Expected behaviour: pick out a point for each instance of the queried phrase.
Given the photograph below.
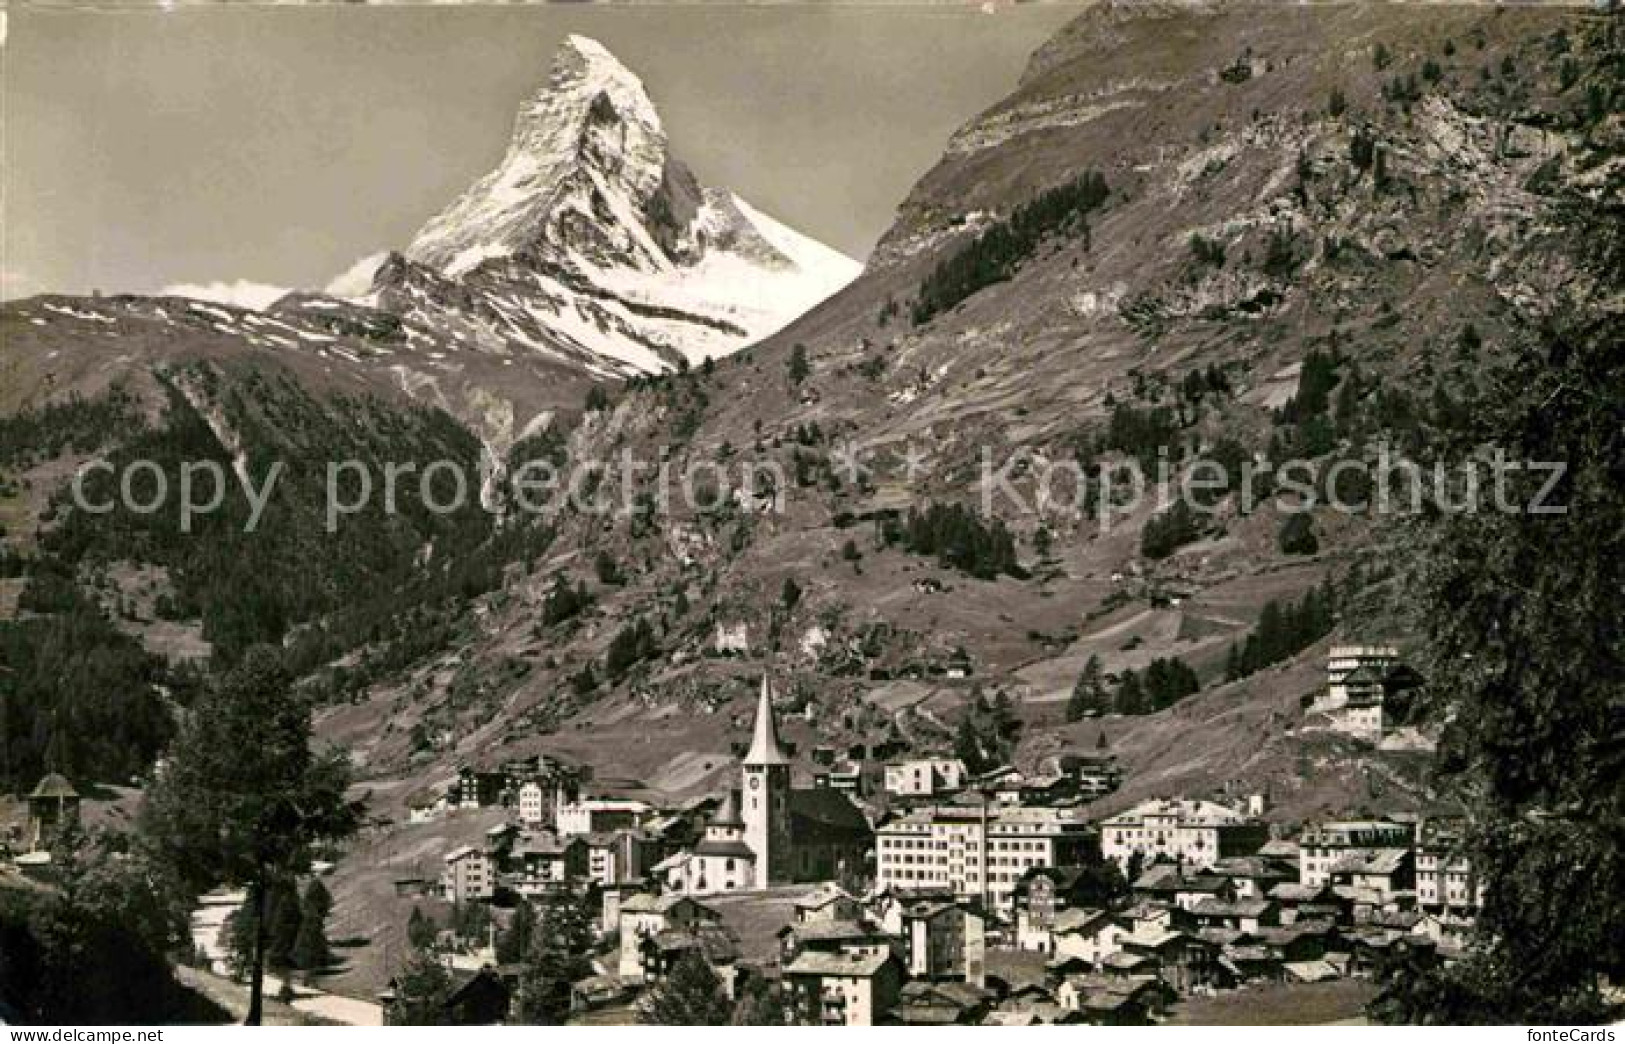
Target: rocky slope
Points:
(1367, 182)
(1353, 183)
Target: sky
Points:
(277, 146)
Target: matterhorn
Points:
(591, 243)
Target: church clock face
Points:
(755, 782)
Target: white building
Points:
(1194, 833)
(468, 875)
(925, 777)
(532, 804)
(1324, 847)
(1344, 660)
(977, 851)
(644, 915)
(601, 815)
(721, 862)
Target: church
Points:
(768, 832)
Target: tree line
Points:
(997, 251)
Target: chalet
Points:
(848, 937)
(837, 989)
(1105, 1000)
(1253, 962)
(425, 806)
(1088, 935)
(543, 863)
(600, 991)
(1243, 915)
(715, 944)
(1253, 876)
(644, 915)
(477, 789)
(1040, 894)
(1301, 941)
(480, 1000)
(1388, 875)
(945, 1003)
(945, 940)
(1183, 961)
(1303, 902)
(827, 902)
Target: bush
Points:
(1297, 535)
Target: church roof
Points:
(764, 744)
(728, 814)
(821, 814)
(54, 785)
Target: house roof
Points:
(820, 962)
(730, 848)
(1239, 908)
(728, 813)
(819, 813)
(959, 994)
(647, 902)
(715, 943)
(53, 785)
(765, 748)
(1292, 892)
(1079, 919)
(460, 852)
(831, 931)
(822, 896)
(1310, 971)
(1126, 961)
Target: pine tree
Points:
(420, 930)
(310, 949)
(558, 959)
(690, 995)
(1530, 675)
(968, 747)
(798, 368)
(515, 943)
(765, 1004)
(243, 798)
(283, 918)
(1130, 696)
(422, 989)
(1089, 696)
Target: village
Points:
(989, 899)
(972, 899)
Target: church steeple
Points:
(765, 776)
(764, 744)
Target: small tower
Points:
(53, 806)
(767, 797)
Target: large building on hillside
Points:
(977, 851)
(1194, 833)
(1325, 847)
(768, 832)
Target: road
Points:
(211, 914)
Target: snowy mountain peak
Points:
(590, 240)
(587, 151)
